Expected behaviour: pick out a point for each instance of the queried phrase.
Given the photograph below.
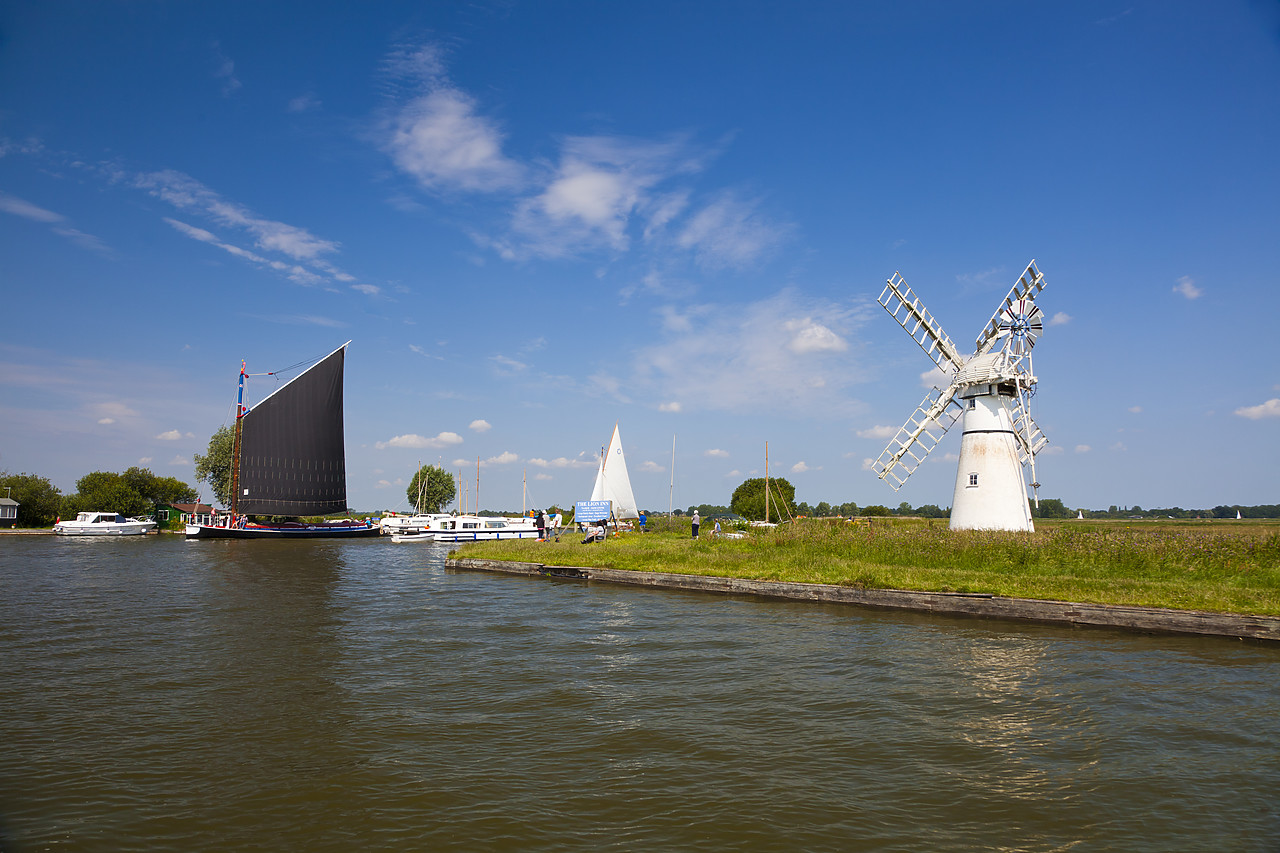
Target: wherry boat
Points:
(289, 459)
(104, 524)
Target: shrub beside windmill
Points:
(992, 390)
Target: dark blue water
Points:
(158, 694)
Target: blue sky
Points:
(535, 220)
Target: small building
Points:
(8, 512)
(177, 516)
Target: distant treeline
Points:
(1049, 508)
(134, 492)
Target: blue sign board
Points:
(592, 510)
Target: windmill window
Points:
(973, 479)
(973, 402)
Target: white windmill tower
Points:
(992, 389)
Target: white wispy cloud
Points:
(730, 232)
(1083, 448)
(745, 357)
(305, 251)
(599, 194)
(57, 222)
(225, 72)
(303, 103)
(980, 279)
(808, 336)
(716, 452)
(1187, 287)
(27, 210)
(1269, 409)
(801, 467)
(670, 406)
(413, 440)
(1135, 410)
(480, 425)
(563, 462)
(651, 467)
(170, 435)
(186, 193)
(600, 185)
(878, 432)
(1059, 319)
(435, 132)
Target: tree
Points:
(876, 509)
(1051, 508)
(822, 510)
(158, 490)
(39, 501)
(214, 468)
(104, 491)
(748, 499)
(437, 489)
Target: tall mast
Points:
(766, 482)
(235, 444)
(477, 485)
(672, 490)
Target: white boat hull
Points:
(103, 524)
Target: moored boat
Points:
(476, 528)
(289, 460)
(104, 524)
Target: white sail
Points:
(613, 483)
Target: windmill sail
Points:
(612, 481)
(292, 453)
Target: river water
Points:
(159, 694)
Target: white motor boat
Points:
(414, 537)
(475, 528)
(104, 524)
(402, 524)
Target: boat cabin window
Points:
(495, 524)
(468, 525)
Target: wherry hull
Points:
(294, 531)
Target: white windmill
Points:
(992, 389)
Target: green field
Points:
(1219, 565)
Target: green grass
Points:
(1222, 566)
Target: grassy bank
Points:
(1228, 567)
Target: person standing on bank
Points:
(542, 526)
(697, 519)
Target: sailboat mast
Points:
(477, 485)
(671, 492)
(766, 482)
(235, 444)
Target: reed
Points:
(1225, 567)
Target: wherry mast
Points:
(235, 444)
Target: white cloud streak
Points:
(1269, 409)
(413, 440)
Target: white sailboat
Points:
(613, 483)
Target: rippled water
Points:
(163, 694)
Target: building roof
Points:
(198, 509)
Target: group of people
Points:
(548, 525)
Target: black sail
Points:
(292, 449)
